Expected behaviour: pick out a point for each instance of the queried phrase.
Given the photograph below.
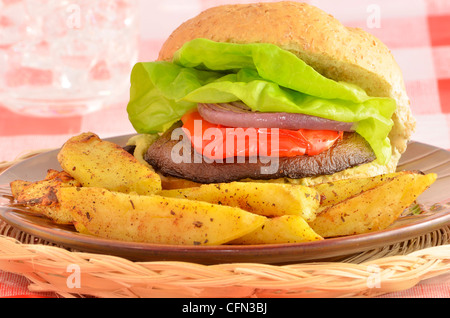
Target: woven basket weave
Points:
(50, 268)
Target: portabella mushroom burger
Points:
(270, 91)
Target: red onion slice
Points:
(239, 115)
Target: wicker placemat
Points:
(53, 268)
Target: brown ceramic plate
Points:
(419, 156)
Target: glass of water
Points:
(66, 57)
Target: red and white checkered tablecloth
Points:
(416, 31)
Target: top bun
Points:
(337, 52)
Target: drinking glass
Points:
(66, 57)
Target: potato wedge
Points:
(17, 186)
(80, 228)
(155, 219)
(279, 230)
(40, 196)
(98, 163)
(268, 199)
(374, 209)
(337, 191)
(53, 174)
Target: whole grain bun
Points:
(337, 52)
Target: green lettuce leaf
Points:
(271, 62)
(264, 77)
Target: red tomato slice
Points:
(220, 142)
(320, 140)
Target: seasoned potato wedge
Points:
(155, 219)
(40, 196)
(17, 186)
(374, 209)
(279, 230)
(268, 199)
(337, 191)
(80, 228)
(54, 174)
(98, 163)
